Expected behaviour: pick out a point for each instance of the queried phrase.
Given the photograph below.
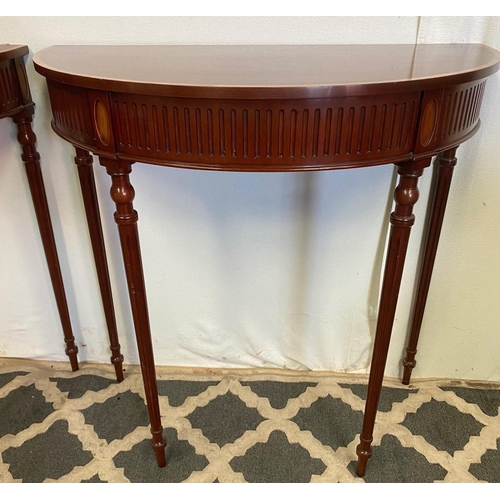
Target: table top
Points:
(265, 71)
(11, 51)
(272, 108)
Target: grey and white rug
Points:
(240, 426)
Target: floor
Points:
(240, 426)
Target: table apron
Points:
(266, 135)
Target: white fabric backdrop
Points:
(254, 270)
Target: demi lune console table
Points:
(270, 109)
(16, 102)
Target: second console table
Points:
(16, 102)
(268, 109)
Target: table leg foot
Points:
(118, 364)
(408, 364)
(159, 449)
(364, 452)
(73, 358)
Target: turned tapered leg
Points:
(443, 172)
(31, 159)
(83, 161)
(122, 194)
(405, 196)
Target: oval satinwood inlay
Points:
(101, 122)
(429, 122)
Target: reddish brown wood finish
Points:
(285, 108)
(269, 109)
(31, 159)
(405, 196)
(266, 71)
(443, 172)
(126, 217)
(267, 135)
(84, 162)
(16, 102)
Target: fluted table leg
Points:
(126, 217)
(83, 161)
(31, 159)
(405, 196)
(443, 173)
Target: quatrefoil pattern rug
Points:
(240, 426)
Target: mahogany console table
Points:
(16, 102)
(269, 109)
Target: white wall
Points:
(254, 270)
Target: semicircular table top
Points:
(261, 107)
(268, 70)
(8, 51)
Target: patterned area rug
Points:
(240, 426)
